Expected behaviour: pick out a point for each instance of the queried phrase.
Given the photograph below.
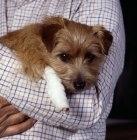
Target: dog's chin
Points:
(74, 91)
(69, 87)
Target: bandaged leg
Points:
(56, 90)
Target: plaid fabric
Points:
(86, 119)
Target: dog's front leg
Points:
(56, 90)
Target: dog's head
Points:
(76, 51)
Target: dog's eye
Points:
(65, 57)
(89, 57)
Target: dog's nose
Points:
(79, 85)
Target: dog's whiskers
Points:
(66, 79)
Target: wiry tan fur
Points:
(75, 51)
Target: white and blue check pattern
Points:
(87, 118)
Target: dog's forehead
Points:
(74, 47)
(74, 39)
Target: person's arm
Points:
(11, 120)
(32, 99)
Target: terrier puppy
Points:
(75, 51)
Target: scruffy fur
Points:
(74, 50)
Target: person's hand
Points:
(12, 121)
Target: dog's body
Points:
(75, 51)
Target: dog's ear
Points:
(11, 39)
(50, 27)
(104, 37)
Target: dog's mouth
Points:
(72, 91)
(75, 87)
(77, 91)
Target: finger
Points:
(13, 120)
(3, 102)
(7, 111)
(18, 128)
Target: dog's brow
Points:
(92, 45)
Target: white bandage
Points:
(56, 90)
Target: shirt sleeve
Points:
(31, 97)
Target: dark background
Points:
(125, 97)
(122, 121)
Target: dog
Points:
(75, 51)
